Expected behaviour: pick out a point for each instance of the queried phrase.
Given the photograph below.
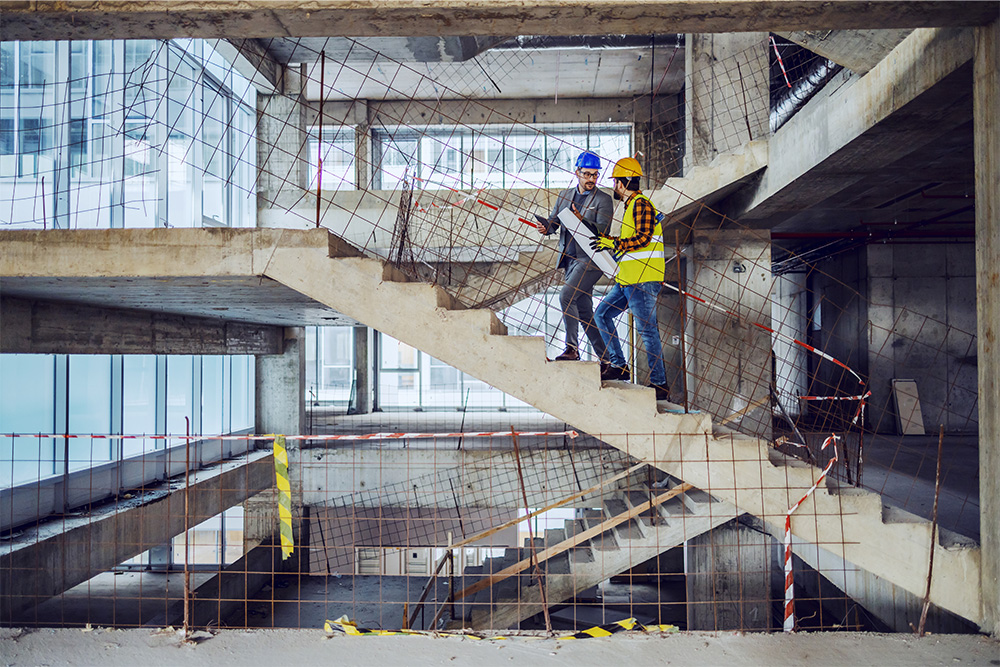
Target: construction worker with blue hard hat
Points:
(641, 267)
(594, 207)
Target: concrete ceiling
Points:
(909, 177)
(508, 73)
(251, 299)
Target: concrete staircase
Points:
(575, 568)
(742, 470)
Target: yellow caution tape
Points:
(350, 628)
(284, 496)
(618, 626)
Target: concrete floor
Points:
(121, 599)
(902, 470)
(128, 648)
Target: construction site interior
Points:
(278, 323)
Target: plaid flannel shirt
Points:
(644, 216)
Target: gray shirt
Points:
(595, 206)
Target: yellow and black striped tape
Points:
(618, 626)
(284, 496)
(348, 627)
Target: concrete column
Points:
(986, 109)
(282, 161)
(728, 358)
(727, 101)
(280, 408)
(280, 387)
(661, 142)
(729, 579)
(362, 372)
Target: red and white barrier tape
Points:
(350, 436)
(789, 625)
(780, 62)
(768, 329)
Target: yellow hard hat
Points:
(627, 167)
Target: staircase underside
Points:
(573, 570)
(742, 470)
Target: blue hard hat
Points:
(588, 160)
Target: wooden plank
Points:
(566, 545)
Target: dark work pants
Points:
(577, 303)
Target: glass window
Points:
(180, 395)
(409, 378)
(7, 64)
(26, 407)
(215, 157)
(337, 157)
(89, 409)
(337, 363)
(242, 392)
(138, 402)
(492, 156)
(38, 64)
(181, 189)
(211, 395)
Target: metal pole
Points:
(934, 525)
(187, 525)
(319, 149)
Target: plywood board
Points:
(908, 414)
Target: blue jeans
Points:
(641, 300)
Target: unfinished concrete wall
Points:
(916, 320)
(729, 579)
(922, 322)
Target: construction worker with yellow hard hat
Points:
(641, 264)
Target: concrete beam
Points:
(986, 107)
(56, 556)
(250, 58)
(846, 126)
(857, 50)
(46, 327)
(107, 19)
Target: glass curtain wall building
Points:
(137, 133)
(120, 134)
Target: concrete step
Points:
(557, 564)
(606, 541)
(582, 553)
(626, 530)
(649, 518)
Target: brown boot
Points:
(569, 354)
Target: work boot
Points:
(569, 354)
(617, 373)
(662, 392)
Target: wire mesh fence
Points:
(423, 168)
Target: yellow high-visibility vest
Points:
(645, 264)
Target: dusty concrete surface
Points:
(110, 648)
